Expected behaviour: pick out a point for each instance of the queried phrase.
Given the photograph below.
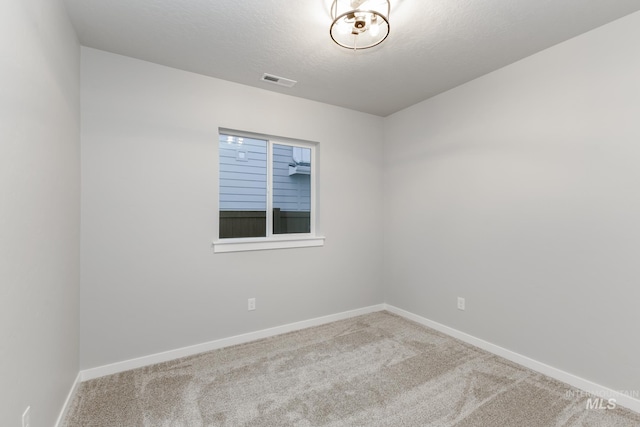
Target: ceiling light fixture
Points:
(359, 24)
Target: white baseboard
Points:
(592, 388)
(68, 400)
(573, 380)
(166, 356)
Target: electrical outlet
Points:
(251, 304)
(460, 303)
(26, 417)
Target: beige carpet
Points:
(373, 370)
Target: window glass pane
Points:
(291, 189)
(243, 187)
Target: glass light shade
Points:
(359, 24)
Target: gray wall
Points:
(150, 281)
(520, 191)
(39, 209)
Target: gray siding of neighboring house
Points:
(290, 192)
(243, 182)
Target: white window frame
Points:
(273, 241)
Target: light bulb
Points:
(344, 27)
(375, 29)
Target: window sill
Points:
(264, 243)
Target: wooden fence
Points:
(254, 223)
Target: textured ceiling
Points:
(434, 45)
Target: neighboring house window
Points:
(267, 193)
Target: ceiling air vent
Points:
(281, 81)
